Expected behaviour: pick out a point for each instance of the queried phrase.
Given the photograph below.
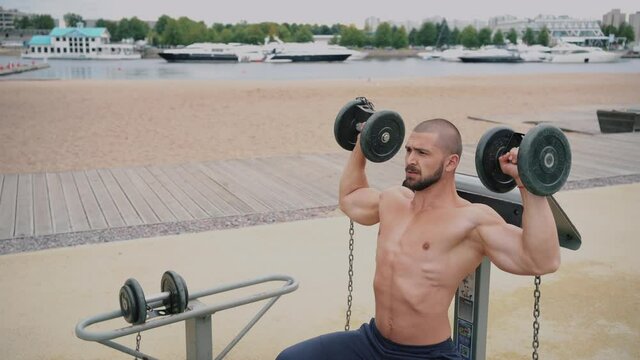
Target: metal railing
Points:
(197, 315)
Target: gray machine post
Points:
(199, 335)
(472, 298)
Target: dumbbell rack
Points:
(199, 340)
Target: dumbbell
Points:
(380, 139)
(133, 304)
(544, 159)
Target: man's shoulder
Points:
(397, 192)
(484, 214)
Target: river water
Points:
(158, 69)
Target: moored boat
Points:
(272, 52)
(533, 53)
(201, 52)
(570, 53)
(453, 54)
(306, 52)
(491, 56)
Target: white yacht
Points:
(533, 53)
(204, 52)
(570, 53)
(491, 55)
(271, 52)
(79, 43)
(453, 54)
(307, 52)
(429, 54)
(250, 53)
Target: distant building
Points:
(614, 17)
(407, 25)
(78, 43)
(461, 24)
(504, 19)
(371, 23)
(8, 17)
(561, 28)
(634, 21)
(411, 25)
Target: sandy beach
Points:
(73, 125)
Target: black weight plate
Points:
(127, 304)
(132, 302)
(344, 129)
(184, 299)
(383, 135)
(177, 287)
(491, 145)
(544, 160)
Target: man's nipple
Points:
(425, 246)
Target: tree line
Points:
(184, 31)
(437, 35)
(169, 31)
(625, 30)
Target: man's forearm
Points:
(540, 236)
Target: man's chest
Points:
(425, 230)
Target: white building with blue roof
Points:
(78, 43)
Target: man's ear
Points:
(452, 162)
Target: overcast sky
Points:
(319, 11)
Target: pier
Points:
(16, 68)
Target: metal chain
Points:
(536, 315)
(138, 338)
(350, 285)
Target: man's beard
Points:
(424, 183)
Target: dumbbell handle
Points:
(155, 300)
(514, 141)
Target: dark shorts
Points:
(365, 343)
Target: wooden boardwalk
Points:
(33, 205)
(579, 119)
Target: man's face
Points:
(424, 163)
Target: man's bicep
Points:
(503, 245)
(362, 206)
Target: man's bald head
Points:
(449, 138)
